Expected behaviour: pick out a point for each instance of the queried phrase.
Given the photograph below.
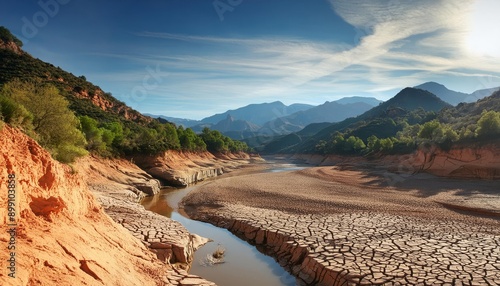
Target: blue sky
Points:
(195, 58)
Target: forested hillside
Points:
(412, 118)
(71, 116)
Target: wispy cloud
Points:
(401, 43)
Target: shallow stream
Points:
(243, 263)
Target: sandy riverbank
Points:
(333, 225)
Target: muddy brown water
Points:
(243, 263)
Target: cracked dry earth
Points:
(168, 239)
(350, 231)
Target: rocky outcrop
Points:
(183, 178)
(11, 46)
(107, 103)
(184, 168)
(118, 178)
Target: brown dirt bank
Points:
(184, 168)
(63, 235)
(333, 225)
(461, 162)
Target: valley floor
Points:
(345, 225)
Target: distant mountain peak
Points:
(450, 96)
(409, 98)
(415, 92)
(431, 84)
(257, 113)
(359, 99)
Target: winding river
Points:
(243, 263)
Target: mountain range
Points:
(254, 120)
(377, 120)
(276, 118)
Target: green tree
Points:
(489, 124)
(337, 143)
(189, 140)
(218, 143)
(93, 134)
(467, 132)
(15, 114)
(118, 134)
(53, 122)
(353, 145)
(429, 130)
(373, 143)
(386, 144)
(321, 146)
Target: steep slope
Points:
(466, 114)
(84, 97)
(462, 161)
(63, 235)
(258, 113)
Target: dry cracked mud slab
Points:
(171, 241)
(365, 248)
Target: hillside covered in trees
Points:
(410, 119)
(71, 117)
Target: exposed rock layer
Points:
(118, 178)
(465, 163)
(458, 162)
(65, 238)
(184, 168)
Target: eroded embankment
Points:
(118, 185)
(461, 162)
(184, 168)
(481, 162)
(347, 233)
(62, 235)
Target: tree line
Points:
(42, 112)
(417, 129)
